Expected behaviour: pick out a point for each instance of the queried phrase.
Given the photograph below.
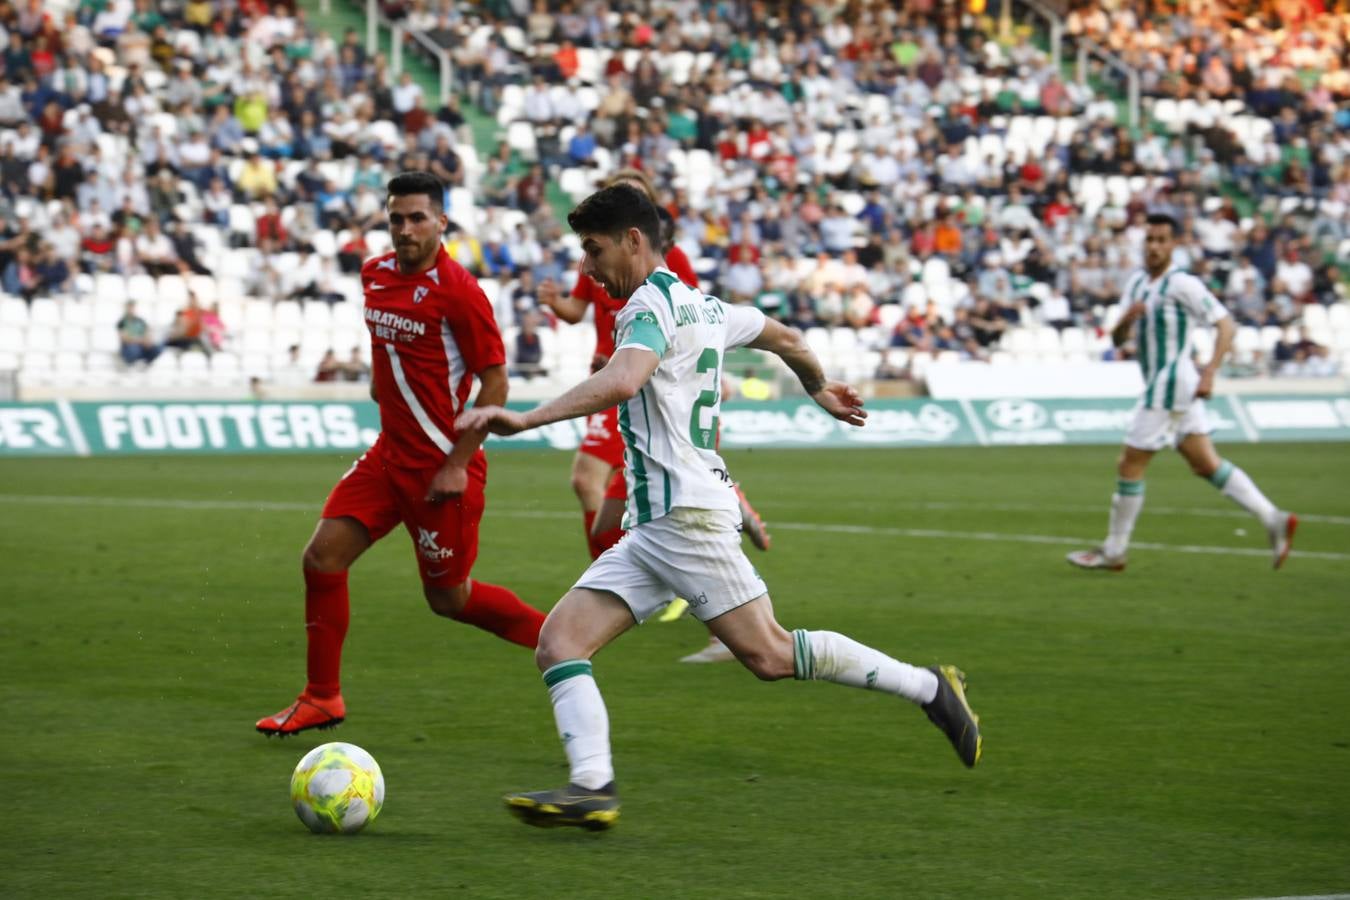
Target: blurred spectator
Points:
(154, 251)
(188, 331)
(330, 368)
(528, 353)
(133, 333)
(355, 368)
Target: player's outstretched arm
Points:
(625, 374)
(836, 398)
(452, 478)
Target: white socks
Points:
(1238, 486)
(1126, 503)
(829, 656)
(583, 723)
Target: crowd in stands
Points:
(890, 171)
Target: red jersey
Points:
(430, 334)
(607, 307)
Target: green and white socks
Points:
(583, 722)
(1236, 485)
(829, 656)
(1126, 503)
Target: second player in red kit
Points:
(432, 334)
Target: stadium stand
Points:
(902, 184)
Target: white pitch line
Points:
(1004, 537)
(1201, 512)
(923, 533)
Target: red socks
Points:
(498, 610)
(326, 615)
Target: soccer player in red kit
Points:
(432, 332)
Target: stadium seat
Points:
(1315, 316)
(520, 135)
(1046, 341)
(1247, 342)
(13, 313)
(1338, 316)
(889, 315)
(104, 339)
(379, 242)
(576, 182)
(1073, 340)
(40, 338)
(44, 312)
(68, 361)
(172, 289)
(79, 313)
(257, 316)
(317, 316)
(111, 288)
(73, 338)
(287, 314)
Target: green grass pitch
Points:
(1180, 730)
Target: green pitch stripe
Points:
(568, 668)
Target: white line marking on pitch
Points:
(994, 536)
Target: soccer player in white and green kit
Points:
(1170, 304)
(683, 515)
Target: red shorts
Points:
(603, 440)
(445, 534)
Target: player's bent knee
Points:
(765, 665)
(550, 652)
(446, 602)
(317, 558)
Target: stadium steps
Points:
(344, 14)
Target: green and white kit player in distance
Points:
(683, 514)
(1169, 305)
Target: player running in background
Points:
(1169, 304)
(685, 536)
(432, 332)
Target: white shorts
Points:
(691, 553)
(1158, 429)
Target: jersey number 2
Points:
(706, 438)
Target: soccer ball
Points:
(337, 787)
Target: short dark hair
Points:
(1159, 218)
(408, 183)
(614, 210)
(667, 227)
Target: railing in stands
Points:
(374, 19)
(1088, 48)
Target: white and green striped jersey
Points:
(1175, 304)
(670, 428)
